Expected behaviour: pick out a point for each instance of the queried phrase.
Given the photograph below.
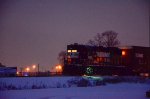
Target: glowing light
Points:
(69, 60)
(69, 51)
(89, 71)
(34, 66)
(58, 68)
(27, 69)
(123, 53)
(92, 77)
(17, 73)
(74, 51)
(144, 74)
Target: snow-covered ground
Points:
(59, 88)
(110, 91)
(29, 82)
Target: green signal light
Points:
(89, 71)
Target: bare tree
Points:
(97, 41)
(110, 39)
(106, 39)
(61, 57)
(91, 42)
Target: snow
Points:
(28, 82)
(123, 90)
(111, 91)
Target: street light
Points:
(27, 69)
(34, 70)
(34, 66)
(58, 68)
(17, 73)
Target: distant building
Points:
(7, 71)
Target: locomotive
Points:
(98, 60)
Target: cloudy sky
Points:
(35, 31)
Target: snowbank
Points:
(111, 91)
(20, 83)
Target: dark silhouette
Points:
(1, 65)
(61, 57)
(106, 39)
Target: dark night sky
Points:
(35, 31)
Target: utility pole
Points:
(38, 66)
(149, 27)
(21, 71)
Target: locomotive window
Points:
(74, 51)
(123, 53)
(69, 51)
